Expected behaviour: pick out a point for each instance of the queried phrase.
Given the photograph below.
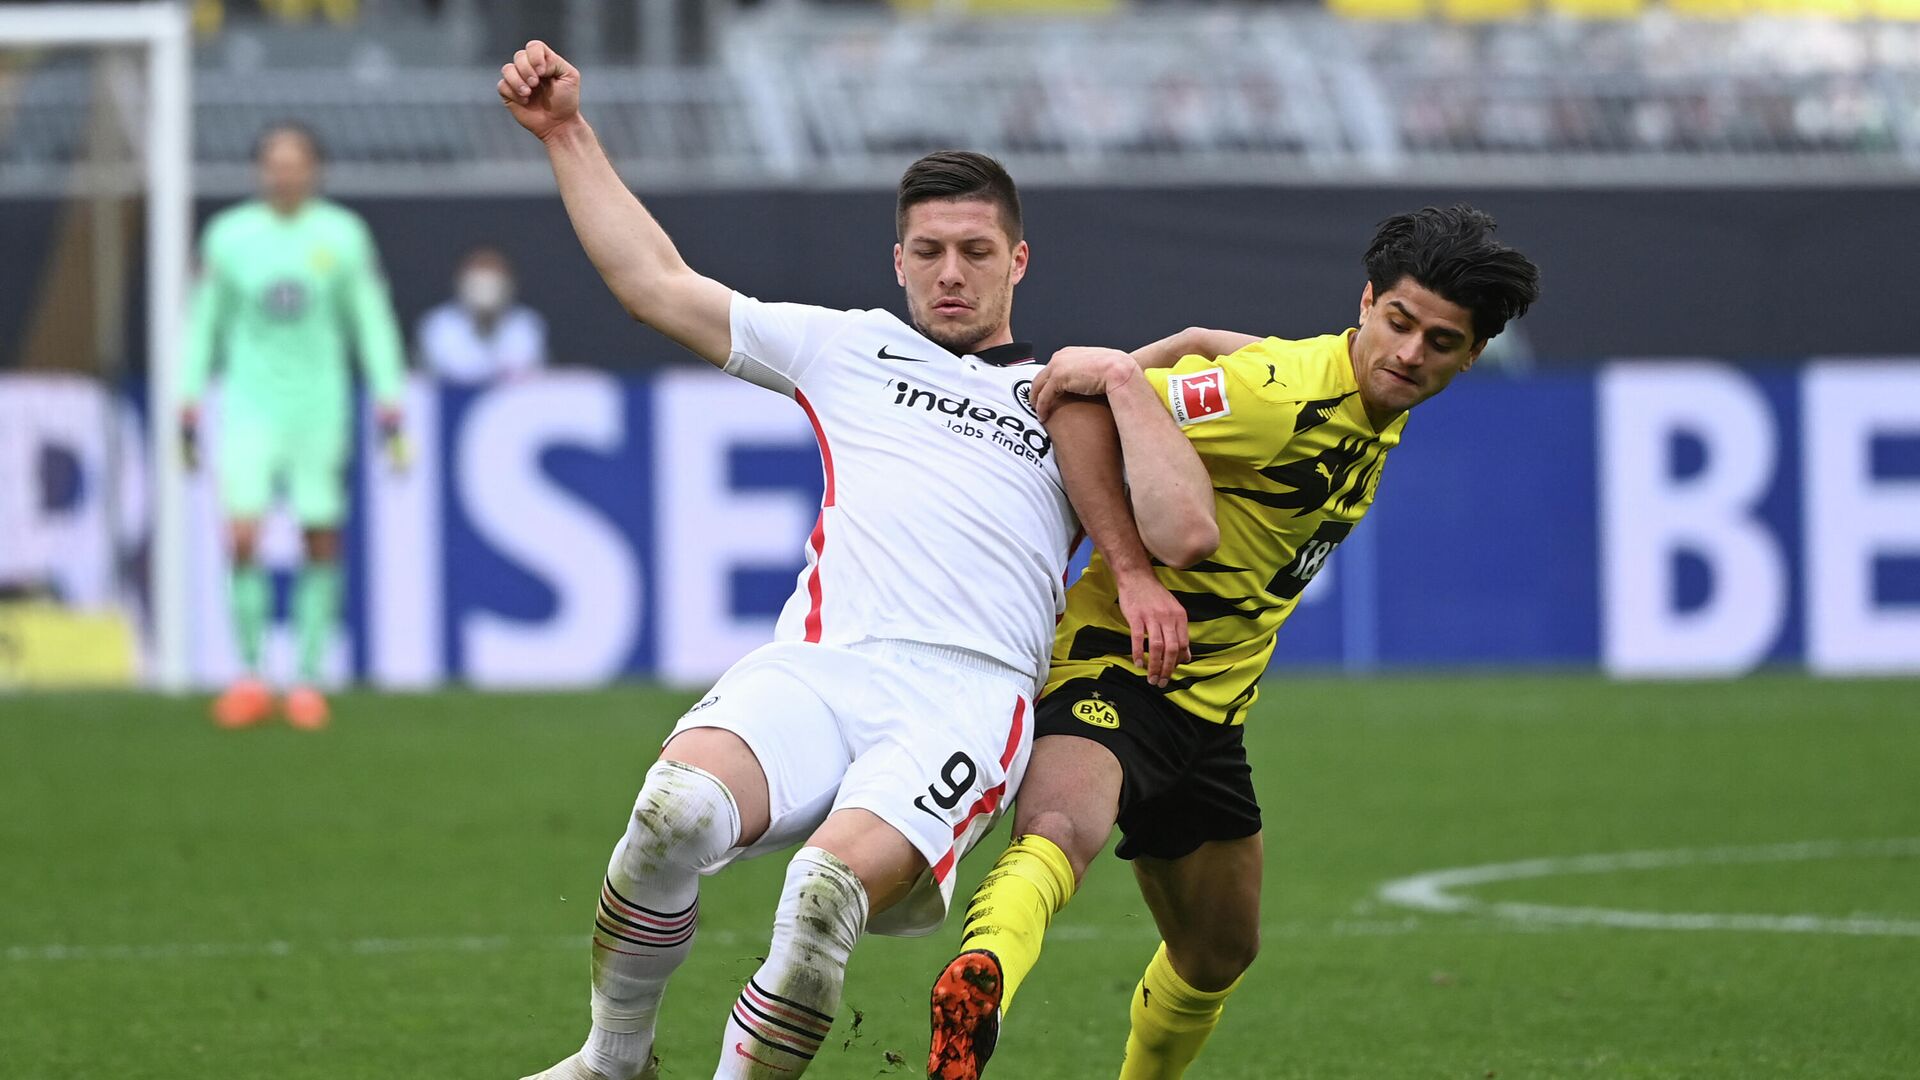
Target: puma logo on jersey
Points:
(1273, 378)
(1349, 467)
(1314, 413)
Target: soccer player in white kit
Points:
(890, 721)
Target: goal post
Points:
(161, 32)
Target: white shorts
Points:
(931, 740)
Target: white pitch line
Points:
(275, 949)
(1435, 890)
(1430, 892)
(1141, 930)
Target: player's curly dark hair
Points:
(1453, 253)
(959, 174)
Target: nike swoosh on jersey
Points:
(885, 355)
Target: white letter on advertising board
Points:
(1648, 516)
(1854, 519)
(554, 535)
(706, 527)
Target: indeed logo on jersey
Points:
(1009, 431)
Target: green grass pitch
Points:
(408, 894)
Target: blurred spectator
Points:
(1510, 353)
(481, 335)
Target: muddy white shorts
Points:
(929, 739)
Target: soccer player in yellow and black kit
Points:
(1294, 435)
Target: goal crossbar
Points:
(91, 24)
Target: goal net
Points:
(95, 162)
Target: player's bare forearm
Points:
(622, 239)
(1194, 340)
(1090, 466)
(1172, 495)
(632, 252)
(1088, 446)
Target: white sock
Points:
(682, 821)
(786, 1010)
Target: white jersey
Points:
(944, 520)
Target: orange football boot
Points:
(306, 709)
(966, 1016)
(244, 704)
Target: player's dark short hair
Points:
(290, 127)
(1452, 252)
(959, 174)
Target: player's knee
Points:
(1243, 952)
(1218, 963)
(1072, 838)
(242, 545)
(683, 820)
(1214, 965)
(1210, 963)
(321, 545)
(823, 901)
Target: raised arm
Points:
(1194, 340)
(633, 254)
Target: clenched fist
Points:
(540, 89)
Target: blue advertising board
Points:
(1652, 518)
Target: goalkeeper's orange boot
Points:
(244, 704)
(966, 1016)
(306, 709)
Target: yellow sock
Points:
(1010, 910)
(1171, 1022)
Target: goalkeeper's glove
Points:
(190, 438)
(393, 441)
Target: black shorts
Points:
(1185, 782)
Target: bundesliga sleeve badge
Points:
(1198, 395)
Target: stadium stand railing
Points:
(1272, 95)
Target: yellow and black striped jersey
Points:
(1295, 464)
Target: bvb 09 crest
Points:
(1096, 712)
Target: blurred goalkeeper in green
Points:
(285, 281)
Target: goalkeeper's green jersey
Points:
(279, 297)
